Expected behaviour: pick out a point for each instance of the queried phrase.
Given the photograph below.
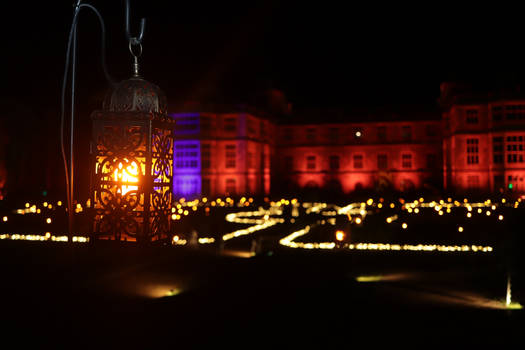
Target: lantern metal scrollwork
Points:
(132, 172)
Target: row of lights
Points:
(289, 241)
(47, 237)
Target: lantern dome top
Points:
(136, 95)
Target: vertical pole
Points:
(71, 155)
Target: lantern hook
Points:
(132, 39)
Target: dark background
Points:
(320, 55)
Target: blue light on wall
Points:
(187, 180)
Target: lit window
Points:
(186, 154)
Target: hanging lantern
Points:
(132, 152)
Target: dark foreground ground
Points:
(54, 296)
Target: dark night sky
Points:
(321, 55)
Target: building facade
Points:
(222, 154)
(475, 145)
(345, 157)
(483, 141)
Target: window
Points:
(205, 124)
(472, 151)
(472, 116)
(186, 125)
(514, 149)
(310, 162)
(406, 161)
(310, 134)
(334, 162)
(230, 187)
(515, 112)
(382, 161)
(497, 149)
(206, 156)
(406, 133)
(431, 161)
(497, 113)
(381, 133)
(231, 156)
(186, 155)
(230, 124)
(358, 161)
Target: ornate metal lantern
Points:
(132, 170)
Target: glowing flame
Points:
(127, 176)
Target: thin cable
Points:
(71, 50)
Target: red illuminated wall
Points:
(484, 145)
(372, 155)
(235, 151)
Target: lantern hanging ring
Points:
(135, 53)
(132, 39)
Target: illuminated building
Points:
(222, 153)
(484, 137)
(373, 155)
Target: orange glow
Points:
(339, 235)
(127, 176)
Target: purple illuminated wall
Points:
(187, 179)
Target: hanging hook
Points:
(132, 39)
